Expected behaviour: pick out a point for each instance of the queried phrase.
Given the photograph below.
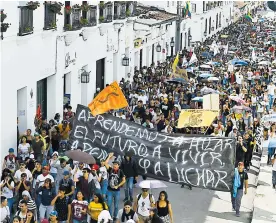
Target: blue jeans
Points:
(76, 221)
(129, 188)
(104, 184)
(116, 196)
(271, 99)
(10, 203)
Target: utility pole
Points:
(178, 30)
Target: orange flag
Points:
(109, 98)
(38, 112)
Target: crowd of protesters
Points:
(40, 184)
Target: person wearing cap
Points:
(116, 180)
(240, 186)
(62, 206)
(126, 214)
(10, 161)
(96, 178)
(31, 205)
(40, 180)
(53, 217)
(38, 147)
(68, 184)
(234, 133)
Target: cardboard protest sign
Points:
(206, 162)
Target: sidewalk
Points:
(264, 202)
(220, 209)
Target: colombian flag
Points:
(248, 17)
(188, 9)
(108, 99)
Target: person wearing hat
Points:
(38, 147)
(126, 214)
(10, 161)
(116, 180)
(68, 184)
(53, 217)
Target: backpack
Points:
(150, 197)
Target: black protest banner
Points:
(206, 162)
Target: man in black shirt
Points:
(116, 180)
(38, 147)
(240, 151)
(165, 108)
(236, 201)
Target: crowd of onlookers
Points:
(40, 184)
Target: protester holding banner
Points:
(159, 115)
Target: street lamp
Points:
(172, 43)
(125, 61)
(85, 77)
(205, 33)
(158, 48)
(190, 37)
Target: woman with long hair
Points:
(79, 208)
(164, 208)
(7, 187)
(17, 219)
(95, 207)
(24, 148)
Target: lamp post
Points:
(205, 33)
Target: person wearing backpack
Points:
(142, 204)
(116, 180)
(129, 168)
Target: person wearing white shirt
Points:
(144, 98)
(239, 78)
(4, 210)
(22, 169)
(142, 203)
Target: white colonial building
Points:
(51, 58)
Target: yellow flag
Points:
(196, 118)
(109, 98)
(176, 60)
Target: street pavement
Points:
(264, 203)
(204, 206)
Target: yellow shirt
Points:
(95, 209)
(64, 132)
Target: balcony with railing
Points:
(106, 12)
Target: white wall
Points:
(40, 55)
